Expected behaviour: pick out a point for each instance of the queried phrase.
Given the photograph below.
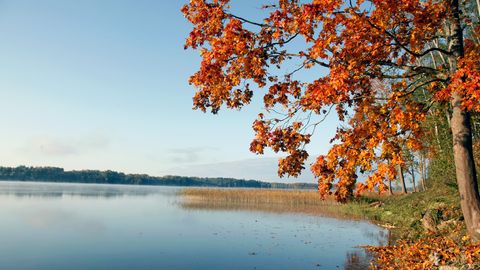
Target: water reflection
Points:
(354, 260)
(58, 190)
(68, 226)
(326, 211)
(357, 261)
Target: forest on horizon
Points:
(55, 174)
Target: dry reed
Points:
(268, 200)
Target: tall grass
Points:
(278, 201)
(256, 196)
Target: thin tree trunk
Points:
(390, 190)
(413, 180)
(462, 139)
(422, 179)
(423, 169)
(422, 166)
(435, 42)
(475, 127)
(434, 62)
(401, 179)
(437, 136)
(447, 115)
(423, 184)
(478, 7)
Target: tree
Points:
(401, 179)
(371, 57)
(412, 166)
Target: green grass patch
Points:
(404, 213)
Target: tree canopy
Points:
(387, 62)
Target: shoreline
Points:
(276, 201)
(424, 223)
(402, 215)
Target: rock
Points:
(446, 225)
(429, 221)
(376, 204)
(446, 267)
(387, 226)
(434, 258)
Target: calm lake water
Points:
(70, 226)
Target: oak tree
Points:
(372, 57)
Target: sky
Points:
(104, 85)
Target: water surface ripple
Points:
(82, 226)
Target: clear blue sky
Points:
(103, 85)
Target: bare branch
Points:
(246, 20)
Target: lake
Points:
(83, 226)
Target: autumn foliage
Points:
(380, 66)
(427, 253)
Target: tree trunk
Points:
(437, 136)
(413, 180)
(390, 190)
(401, 179)
(422, 181)
(423, 184)
(478, 7)
(447, 115)
(422, 166)
(465, 168)
(462, 139)
(423, 173)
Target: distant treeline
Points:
(54, 174)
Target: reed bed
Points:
(256, 196)
(267, 200)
